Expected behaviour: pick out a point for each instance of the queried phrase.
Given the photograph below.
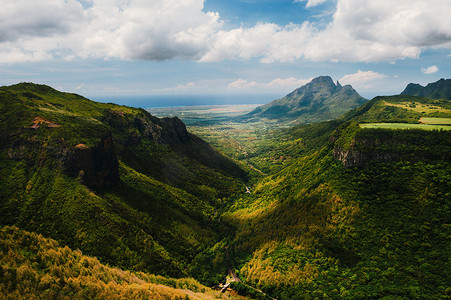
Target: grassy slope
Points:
(34, 267)
(318, 229)
(159, 218)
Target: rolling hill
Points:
(319, 100)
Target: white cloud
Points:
(283, 84)
(80, 87)
(312, 3)
(361, 31)
(361, 78)
(24, 18)
(154, 30)
(268, 41)
(382, 30)
(287, 82)
(242, 84)
(185, 86)
(429, 70)
(180, 87)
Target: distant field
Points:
(419, 107)
(436, 121)
(203, 113)
(203, 110)
(405, 126)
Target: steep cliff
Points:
(367, 146)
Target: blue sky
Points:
(118, 48)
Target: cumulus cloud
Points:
(180, 29)
(312, 3)
(361, 78)
(21, 19)
(361, 31)
(429, 70)
(154, 30)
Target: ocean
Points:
(154, 101)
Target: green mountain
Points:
(359, 209)
(136, 191)
(318, 100)
(437, 90)
(357, 213)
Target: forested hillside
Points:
(357, 212)
(135, 191)
(354, 207)
(33, 267)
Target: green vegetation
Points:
(440, 89)
(405, 126)
(319, 100)
(34, 267)
(137, 192)
(317, 228)
(329, 210)
(320, 229)
(436, 121)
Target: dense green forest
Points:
(33, 267)
(355, 213)
(337, 210)
(138, 192)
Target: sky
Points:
(115, 49)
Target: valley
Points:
(99, 199)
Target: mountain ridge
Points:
(440, 89)
(319, 100)
(136, 191)
(352, 212)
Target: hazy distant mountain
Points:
(436, 90)
(319, 100)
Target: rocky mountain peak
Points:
(320, 99)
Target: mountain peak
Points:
(318, 100)
(322, 79)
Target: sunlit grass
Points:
(404, 126)
(436, 121)
(419, 107)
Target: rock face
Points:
(170, 132)
(95, 166)
(436, 90)
(159, 130)
(368, 146)
(353, 157)
(319, 100)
